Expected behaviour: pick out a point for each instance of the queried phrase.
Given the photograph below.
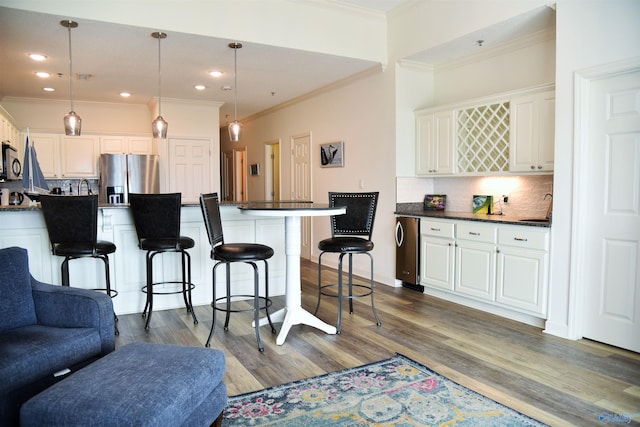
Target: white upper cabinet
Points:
(434, 143)
(63, 156)
(80, 156)
(48, 153)
(532, 132)
(483, 138)
(497, 135)
(126, 145)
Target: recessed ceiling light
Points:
(215, 73)
(200, 87)
(37, 56)
(43, 74)
(48, 89)
(125, 94)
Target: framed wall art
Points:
(332, 154)
(254, 169)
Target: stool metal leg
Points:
(65, 271)
(148, 308)
(373, 306)
(339, 325)
(213, 305)
(266, 295)
(319, 282)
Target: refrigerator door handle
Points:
(399, 234)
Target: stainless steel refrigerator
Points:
(121, 174)
(408, 252)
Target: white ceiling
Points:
(125, 58)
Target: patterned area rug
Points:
(394, 392)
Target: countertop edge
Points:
(416, 210)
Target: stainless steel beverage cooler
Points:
(121, 174)
(408, 252)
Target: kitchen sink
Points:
(534, 220)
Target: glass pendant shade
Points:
(159, 127)
(72, 121)
(235, 131)
(72, 124)
(235, 128)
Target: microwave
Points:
(10, 167)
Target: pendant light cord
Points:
(235, 83)
(70, 68)
(159, 76)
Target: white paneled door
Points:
(610, 204)
(301, 159)
(190, 168)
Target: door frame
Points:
(580, 187)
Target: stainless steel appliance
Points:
(121, 174)
(408, 252)
(10, 167)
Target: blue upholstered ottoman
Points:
(141, 384)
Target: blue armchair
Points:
(44, 329)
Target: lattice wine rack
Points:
(483, 138)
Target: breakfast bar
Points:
(24, 226)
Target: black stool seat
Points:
(345, 244)
(101, 247)
(156, 218)
(240, 252)
(72, 225)
(350, 235)
(164, 244)
(228, 253)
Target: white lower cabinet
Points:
(523, 262)
(501, 269)
(437, 245)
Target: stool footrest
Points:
(190, 286)
(335, 295)
(267, 303)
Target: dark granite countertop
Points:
(417, 210)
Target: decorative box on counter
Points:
(435, 202)
(482, 204)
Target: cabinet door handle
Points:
(539, 167)
(473, 233)
(533, 167)
(520, 239)
(435, 229)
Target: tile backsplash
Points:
(526, 193)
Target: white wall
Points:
(360, 113)
(588, 33)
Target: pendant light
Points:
(159, 125)
(235, 128)
(72, 121)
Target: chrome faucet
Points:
(550, 208)
(83, 180)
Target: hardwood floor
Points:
(556, 381)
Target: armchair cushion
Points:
(16, 302)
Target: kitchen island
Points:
(24, 226)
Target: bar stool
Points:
(156, 218)
(228, 253)
(72, 225)
(350, 235)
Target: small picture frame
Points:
(332, 154)
(254, 169)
